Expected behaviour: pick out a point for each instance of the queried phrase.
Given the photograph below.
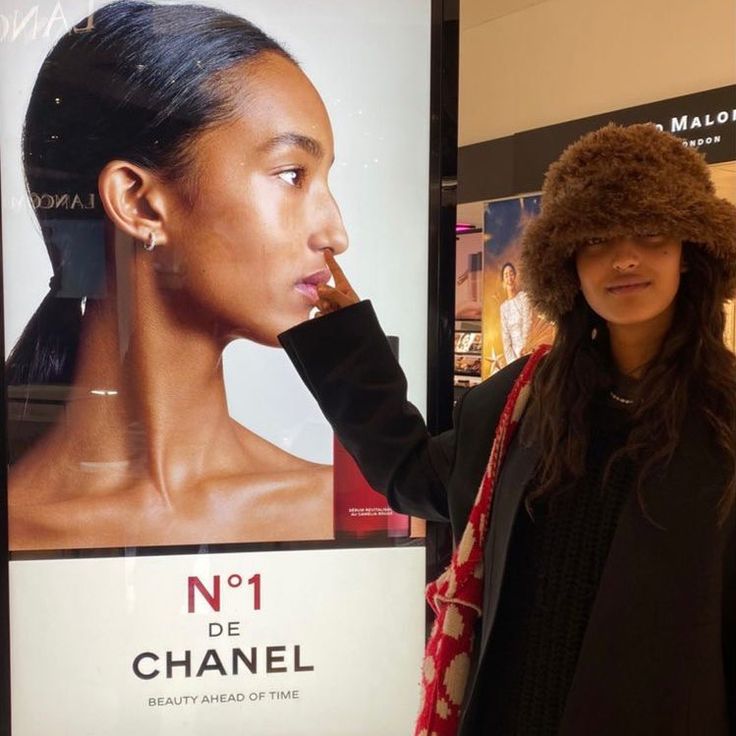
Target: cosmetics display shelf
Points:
(467, 355)
(467, 325)
(462, 381)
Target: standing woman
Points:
(200, 152)
(516, 315)
(593, 586)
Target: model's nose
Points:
(329, 231)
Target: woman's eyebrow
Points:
(312, 146)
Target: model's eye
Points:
(652, 237)
(295, 176)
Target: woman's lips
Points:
(628, 288)
(308, 285)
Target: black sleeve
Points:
(346, 362)
(729, 624)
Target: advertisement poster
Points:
(724, 180)
(469, 280)
(189, 547)
(511, 328)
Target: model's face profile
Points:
(250, 241)
(632, 280)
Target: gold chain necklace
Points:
(620, 399)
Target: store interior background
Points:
(526, 64)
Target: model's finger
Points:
(335, 297)
(341, 280)
(324, 306)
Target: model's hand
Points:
(332, 298)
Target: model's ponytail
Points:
(47, 349)
(136, 81)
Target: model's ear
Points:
(134, 200)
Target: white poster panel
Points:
(268, 643)
(157, 433)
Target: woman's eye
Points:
(294, 177)
(594, 241)
(653, 237)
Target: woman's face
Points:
(250, 241)
(630, 281)
(509, 277)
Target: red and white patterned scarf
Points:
(456, 596)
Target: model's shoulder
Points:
(274, 506)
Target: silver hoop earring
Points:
(150, 243)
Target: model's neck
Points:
(150, 383)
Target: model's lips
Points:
(628, 287)
(308, 285)
(318, 277)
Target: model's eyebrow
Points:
(312, 146)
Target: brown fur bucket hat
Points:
(618, 181)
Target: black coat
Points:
(659, 654)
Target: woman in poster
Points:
(592, 589)
(177, 159)
(516, 315)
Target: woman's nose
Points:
(329, 231)
(625, 255)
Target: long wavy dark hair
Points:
(693, 365)
(135, 81)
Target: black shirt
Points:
(555, 563)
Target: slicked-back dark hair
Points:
(137, 82)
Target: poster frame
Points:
(443, 171)
(5, 713)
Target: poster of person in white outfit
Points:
(511, 327)
(516, 314)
